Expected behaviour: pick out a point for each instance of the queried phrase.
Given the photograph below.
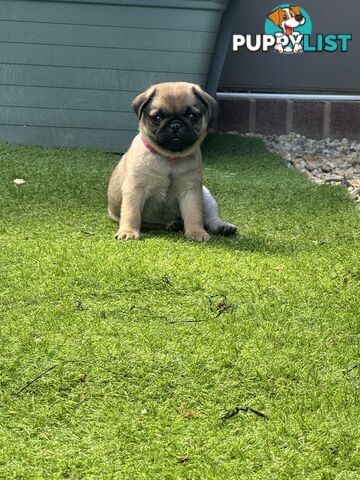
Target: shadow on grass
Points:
(253, 244)
(238, 243)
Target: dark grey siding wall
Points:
(69, 70)
(311, 72)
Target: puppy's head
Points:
(175, 116)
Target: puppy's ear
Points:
(295, 9)
(276, 17)
(142, 100)
(210, 103)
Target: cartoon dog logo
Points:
(287, 19)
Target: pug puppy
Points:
(158, 182)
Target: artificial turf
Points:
(127, 360)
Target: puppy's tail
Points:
(113, 216)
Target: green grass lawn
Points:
(133, 366)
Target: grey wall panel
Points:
(99, 58)
(69, 70)
(48, 117)
(100, 36)
(67, 137)
(79, 99)
(193, 4)
(89, 79)
(109, 15)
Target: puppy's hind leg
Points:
(212, 220)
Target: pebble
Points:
(326, 168)
(335, 178)
(324, 161)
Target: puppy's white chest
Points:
(163, 190)
(161, 178)
(161, 203)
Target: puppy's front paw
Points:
(127, 234)
(197, 235)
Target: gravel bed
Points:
(324, 161)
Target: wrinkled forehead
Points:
(174, 101)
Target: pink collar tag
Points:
(153, 150)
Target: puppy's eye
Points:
(156, 119)
(193, 117)
(285, 17)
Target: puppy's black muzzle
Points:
(176, 134)
(175, 125)
(299, 18)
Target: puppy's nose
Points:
(175, 125)
(299, 18)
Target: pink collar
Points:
(153, 150)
